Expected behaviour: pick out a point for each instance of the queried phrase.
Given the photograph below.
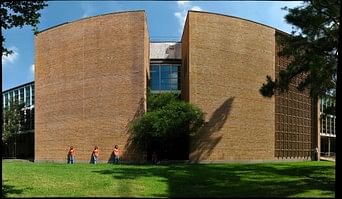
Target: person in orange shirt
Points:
(95, 154)
(71, 155)
(116, 153)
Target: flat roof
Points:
(16, 87)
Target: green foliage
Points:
(18, 14)
(12, 121)
(157, 101)
(167, 118)
(312, 49)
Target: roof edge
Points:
(225, 15)
(165, 41)
(120, 12)
(16, 87)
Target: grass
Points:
(295, 179)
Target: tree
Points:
(18, 14)
(312, 49)
(12, 123)
(167, 123)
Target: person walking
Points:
(95, 154)
(116, 152)
(71, 155)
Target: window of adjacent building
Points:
(8, 97)
(327, 117)
(28, 95)
(21, 95)
(16, 95)
(164, 77)
(32, 97)
(4, 101)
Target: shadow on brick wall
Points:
(132, 152)
(205, 140)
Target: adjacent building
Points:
(23, 145)
(92, 77)
(327, 126)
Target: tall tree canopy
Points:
(312, 49)
(18, 14)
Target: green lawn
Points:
(297, 179)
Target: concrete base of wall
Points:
(251, 161)
(164, 162)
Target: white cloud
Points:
(184, 6)
(32, 68)
(196, 8)
(92, 8)
(181, 19)
(10, 58)
(180, 3)
(88, 9)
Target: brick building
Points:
(92, 75)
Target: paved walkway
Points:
(328, 158)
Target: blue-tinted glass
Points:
(174, 75)
(154, 74)
(154, 67)
(164, 77)
(165, 84)
(174, 68)
(165, 71)
(174, 81)
(174, 86)
(154, 84)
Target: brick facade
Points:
(228, 60)
(225, 62)
(295, 117)
(91, 81)
(91, 78)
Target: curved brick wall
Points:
(225, 62)
(90, 81)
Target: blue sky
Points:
(165, 22)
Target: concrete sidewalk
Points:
(328, 158)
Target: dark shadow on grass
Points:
(9, 189)
(235, 180)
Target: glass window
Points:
(32, 87)
(164, 77)
(8, 98)
(323, 124)
(165, 71)
(21, 97)
(28, 95)
(154, 74)
(16, 95)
